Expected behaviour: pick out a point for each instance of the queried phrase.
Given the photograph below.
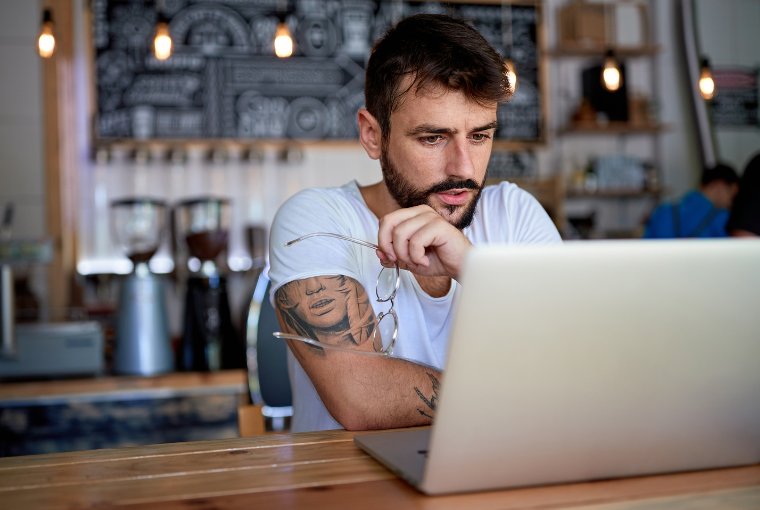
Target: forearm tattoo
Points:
(330, 309)
(433, 402)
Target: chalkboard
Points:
(224, 81)
(735, 103)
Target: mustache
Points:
(452, 184)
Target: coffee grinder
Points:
(142, 332)
(209, 340)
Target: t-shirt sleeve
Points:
(310, 211)
(526, 218)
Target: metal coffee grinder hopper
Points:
(142, 333)
(209, 340)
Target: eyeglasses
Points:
(385, 333)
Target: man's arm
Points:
(360, 392)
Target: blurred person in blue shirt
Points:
(699, 213)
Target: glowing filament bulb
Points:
(283, 42)
(511, 75)
(162, 42)
(706, 82)
(46, 39)
(611, 77)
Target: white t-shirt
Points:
(505, 214)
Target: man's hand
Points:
(422, 242)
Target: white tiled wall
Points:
(21, 138)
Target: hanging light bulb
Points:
(162, 43)
(283, 42)
(611, 77)
(511, 75)
(46, 40)
(706, 82)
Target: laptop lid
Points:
(598, 360)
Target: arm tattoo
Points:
(332, 309)
(433, 402)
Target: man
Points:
(702, 213)
(432, 87)
(745, 212)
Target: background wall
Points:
(728, 32)
(21, 141)
(271, 181)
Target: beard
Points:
(406, 195)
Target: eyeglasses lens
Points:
(386, 331)
(386, 283)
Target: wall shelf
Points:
(613, 194)
(614, 128)
(622, 52)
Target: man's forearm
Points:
(375, 393)
(360, 392)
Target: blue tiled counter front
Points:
(88, 421)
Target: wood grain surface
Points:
(318, 470)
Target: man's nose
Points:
(460, 164)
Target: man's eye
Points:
(480, 137)
(431, 139)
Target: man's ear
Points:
(370, 134)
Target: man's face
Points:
(437, 153)
(721, 193)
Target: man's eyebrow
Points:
(429, 128)
(491, 125)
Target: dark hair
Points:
(435, 50)
(745, 213)
(719, 172)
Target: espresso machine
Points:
(142, 332)
(209, 340)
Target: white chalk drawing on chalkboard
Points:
(179, 124)
(172, 7)
(116, 123)
(356, 21)
(227, 45)
(143, 122)
(308, 118)
(297, 75)
(100, 27)
(133, 26)
(335, 111)
(262, 117)
(520, 117)
(163, 90)
(317, 37)
(113, 69)
(210, 28)
(263, 29)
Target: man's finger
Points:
(389, 222)
(432, 234)
(405, 230)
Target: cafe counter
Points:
(107, 412)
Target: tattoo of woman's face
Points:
(327, 309)
(322, 302)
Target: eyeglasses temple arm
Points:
(337, 236)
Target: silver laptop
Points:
(590, 361)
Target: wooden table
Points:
(322, 470)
